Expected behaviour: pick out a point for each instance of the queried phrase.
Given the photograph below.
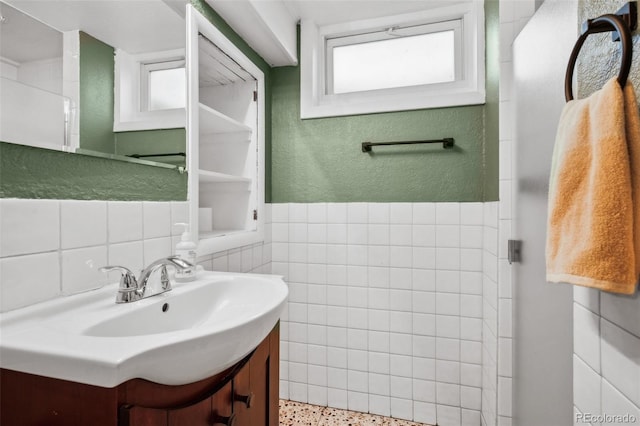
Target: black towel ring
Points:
(595, 25)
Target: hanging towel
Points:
(593, 230)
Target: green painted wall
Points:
(320, 159)
(492, 106)
(153, 142)
(96, 95)
(27, 172)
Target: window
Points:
(429, 59)
(150, 90)
(393, 58)
(163, 85)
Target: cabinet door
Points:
(198, 414)
(250, 399)
(141, 416)
(252, 385)
(243, 398)
(273, 399)
(213, 410)
(222, 407)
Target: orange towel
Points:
(593, 232)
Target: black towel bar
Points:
(623, 22)
(446, 143)
(168, 154)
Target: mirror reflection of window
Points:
(167, 89)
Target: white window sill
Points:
(372, 102)
(166, 119)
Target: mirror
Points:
(119, 76)
(31, 81)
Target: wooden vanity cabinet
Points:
(243, 395)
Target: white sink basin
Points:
(192, 332)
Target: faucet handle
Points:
(127, 279)
(164, 279)
(128, 290)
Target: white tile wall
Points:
(29, 279)
(490, 316)
(606, 366)
(125, 221)
(497, 363)
(386, 300)
(29, 226)
(50, 248)
(621, 359)
(385, 307)
(80, 269)
(614, 402)
(83, 224)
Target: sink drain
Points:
(165, 307)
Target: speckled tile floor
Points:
(299, 414)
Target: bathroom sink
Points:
(193, 308)
(196, 330)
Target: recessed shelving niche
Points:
(225, 129)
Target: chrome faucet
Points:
(131, 289)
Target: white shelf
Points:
(206, 176)
(212, 121)
(231, 138)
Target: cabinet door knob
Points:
(227, 421)
(247, 399)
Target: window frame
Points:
(131, 90)
(468, 89)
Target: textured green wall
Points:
(27, 172)
(96, 95)
(153, 142)
(320, 159)
(492, 106)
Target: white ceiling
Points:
(151, 25)
(132, 25)
(269, 26)
(24, 39)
